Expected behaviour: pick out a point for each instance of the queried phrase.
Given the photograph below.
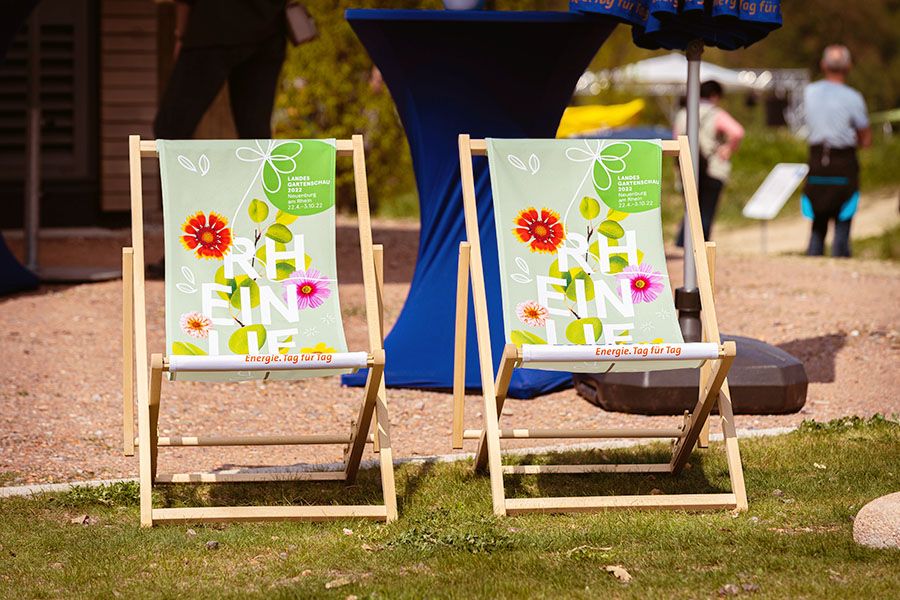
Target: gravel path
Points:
(60, 389)
(877, 214)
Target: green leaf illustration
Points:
(575, 330)
(617, 263)
(254, 293)
(289, 338)
(569, 277)
(238, 343)
(519, 337)
(279, 233)
(187, 349)
(283, 269)
(258, 210)
(231, 283)
(285, 218)
(611, 229)
(616, 215)
(572, 291)
(589, 208)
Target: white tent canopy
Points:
(667, 76)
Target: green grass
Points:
(882, 247)
(761, 150)
(796, 543)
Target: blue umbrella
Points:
(674, 24)
(690, 25)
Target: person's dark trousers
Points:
(840, 246)
(251, 71)
(708, 196)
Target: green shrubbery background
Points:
(326, 92)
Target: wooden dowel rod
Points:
(575, 469)
(514, 433)
(254, 440)
(238, 477)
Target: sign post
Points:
(771, 196)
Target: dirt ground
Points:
(60, 386)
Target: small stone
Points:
(777, 493)
(347, 531)
(877, 525)
(212, 545)
(854, 333)
(656, 492)
(754, 519)
(190, 532)
(729, 589)
(336, 583)
(56, 565)
(283, 555)
(750, 588)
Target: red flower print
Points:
(207, 236)
(542, 232)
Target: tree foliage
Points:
(326, 92)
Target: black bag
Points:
(833, 178)
(301, 27)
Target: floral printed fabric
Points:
(250, 250)
(580, 245)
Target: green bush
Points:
(326, 92)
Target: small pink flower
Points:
(531, 313)
(312, 288)
(195, 324)
(646, 284)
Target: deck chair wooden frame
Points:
(142, 377)
(713, 382)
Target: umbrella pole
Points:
(687, 298)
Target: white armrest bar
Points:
(269, 362)
(616, 353)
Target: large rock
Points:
(878, 523)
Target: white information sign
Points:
(769, 199)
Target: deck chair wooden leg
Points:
(156, 369)
(385, 454)
(378, 256)
(145, 468)
(479, 299)
(128, 351)
(703, 440)
(459, 354)
(712, 376)
(504, 375)
(360, 432)
(732, 450)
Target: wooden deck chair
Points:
(251, 293)
(584, 289)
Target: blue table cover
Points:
(489, 74)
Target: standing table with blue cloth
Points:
(488, 74)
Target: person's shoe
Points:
(157, 270)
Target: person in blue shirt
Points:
(837, 123)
